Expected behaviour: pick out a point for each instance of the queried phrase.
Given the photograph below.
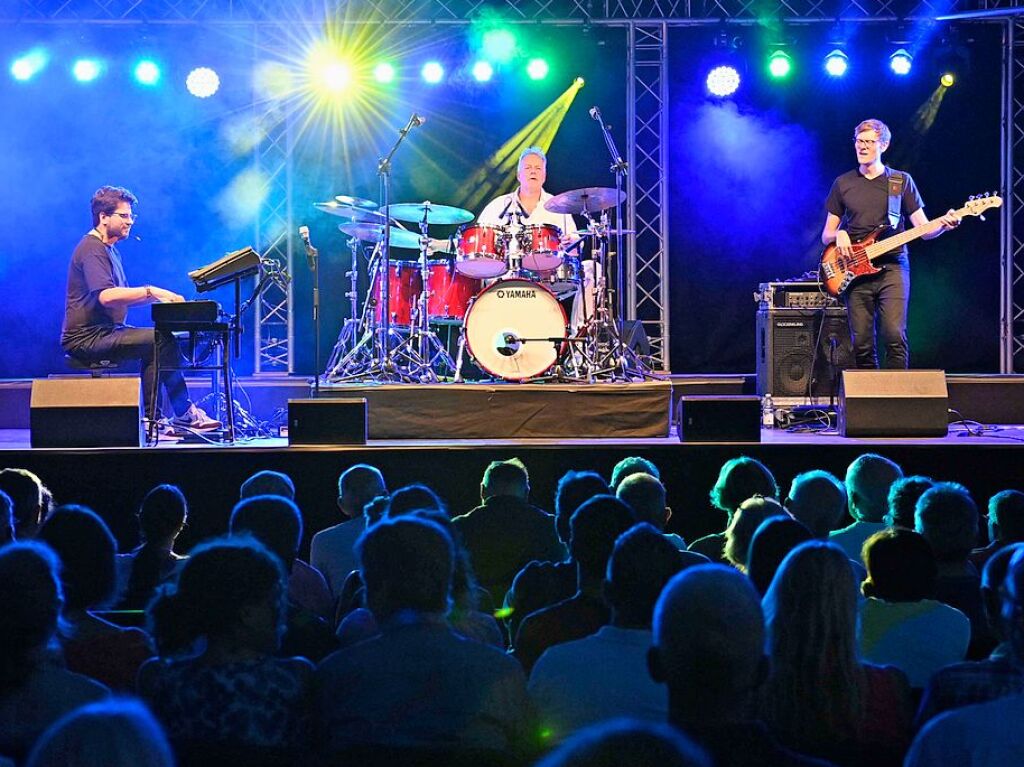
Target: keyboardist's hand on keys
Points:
(166, 296)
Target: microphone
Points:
(504, 214)
(311, 252)
(595, 113)
(417, 120)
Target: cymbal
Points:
(587, 200)
(353, 212)
(356, 202)
(400, 238)
(435, 214)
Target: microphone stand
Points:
(313, 256)
(620, 168)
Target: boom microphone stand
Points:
(620, 168)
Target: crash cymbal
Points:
(400, 238)
(353, 212)
(435, 214)
(587, 200)
(356, 202)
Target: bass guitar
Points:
(838, 272)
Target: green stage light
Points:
(537, 69)
(780, 65)
(384, 72)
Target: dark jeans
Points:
(120, 343)
(878, 305)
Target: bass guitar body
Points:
(838, 272)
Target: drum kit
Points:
(498, 286)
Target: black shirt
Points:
(94, 268)
(863, 204)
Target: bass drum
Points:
(504, 326)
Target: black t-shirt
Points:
(94, 268)
(863, 204)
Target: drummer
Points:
(525, 207)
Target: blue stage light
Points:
(24, 68)
(482, 71)
(432, 72)
(901, 61)
(147, 72)
(723, 81)
(202, 82)
(836, 63)
(86, 70)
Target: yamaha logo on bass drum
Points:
(516, 293)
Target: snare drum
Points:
(404, 284)
(502, 316)
(539, 247)
(481, 252)
(450, 292)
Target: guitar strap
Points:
(895, 179)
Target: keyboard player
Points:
(97, 303)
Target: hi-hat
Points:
(400, 238)
(353, 212)
(435, 214)
(587, 200)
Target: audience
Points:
(627, 742)
(739, 479)
(645, 496)
(627, 467)
(774, 539)
(92, 645)
(818, 500)
(162, 516)
(417, 685)
(902, 500)
(986, 733)
(6, 518)
(744, 523)
(868, 480)
(820, 698)
(114, 733)
(217, 680)
(1005, 524)
(901, 623)
(604, 675)
(415, 497)
(268, 482)
(31, 500)
(594, 528)
(506, 532)
(708, 650)
(35, 689)
(332, 551)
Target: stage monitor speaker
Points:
(327, 421)
(86, 412)
(893, 403)
(787, 365)
(719, 418)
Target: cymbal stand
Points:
(359, 330)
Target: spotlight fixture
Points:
(482, 71)
(780, 64)
(900, 62)
(948, 80)
(537, 69)
(202, 82)
(86, 70)
(836, 63)
(579, 82)
(147, 72)
(723, 81)
(384, 72)
(25, 67)
(432, 72)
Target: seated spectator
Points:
(774, 539)
(115, 733)
(708, 650)
(92, 646)
(542, 584)
(1005, 525)
(985, 733)
(275, 521)
(35, 690)
(624, 741)
(162, 516)
(31, 500)
(594, 528)
(332, 551)
(217, 680)
(948, 519)
(268, 482)
(418, 684)
(820, 698)
(465, 617)
(415, 497)
(506, 532)
(739, 479)
(868, 480)
(627, 467)
(6, 518)
(604, 675)
(901, 624)
(744, 523)
(817, 499)
(902, 500)
(963, 684)
(645, 495)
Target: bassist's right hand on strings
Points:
(843, 244)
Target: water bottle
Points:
(767, 412)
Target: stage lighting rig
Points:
(836, 63)
(901, 62)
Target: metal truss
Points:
(646, 257)
(1011, 351)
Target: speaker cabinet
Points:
(893, 403)
(327, 421)
(719, 418)
(801, 351)
(86, 412)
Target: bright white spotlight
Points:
(482, 71)
(384, 72)
(723, 81)
(836, 63)
(432, 72)
(147, 72)
(333, 76)
(24, 68)
(202, 82)
(86, 70)
(901, 61)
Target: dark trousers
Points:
(121, 343)
(876, 306)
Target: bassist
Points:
(861, 201)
